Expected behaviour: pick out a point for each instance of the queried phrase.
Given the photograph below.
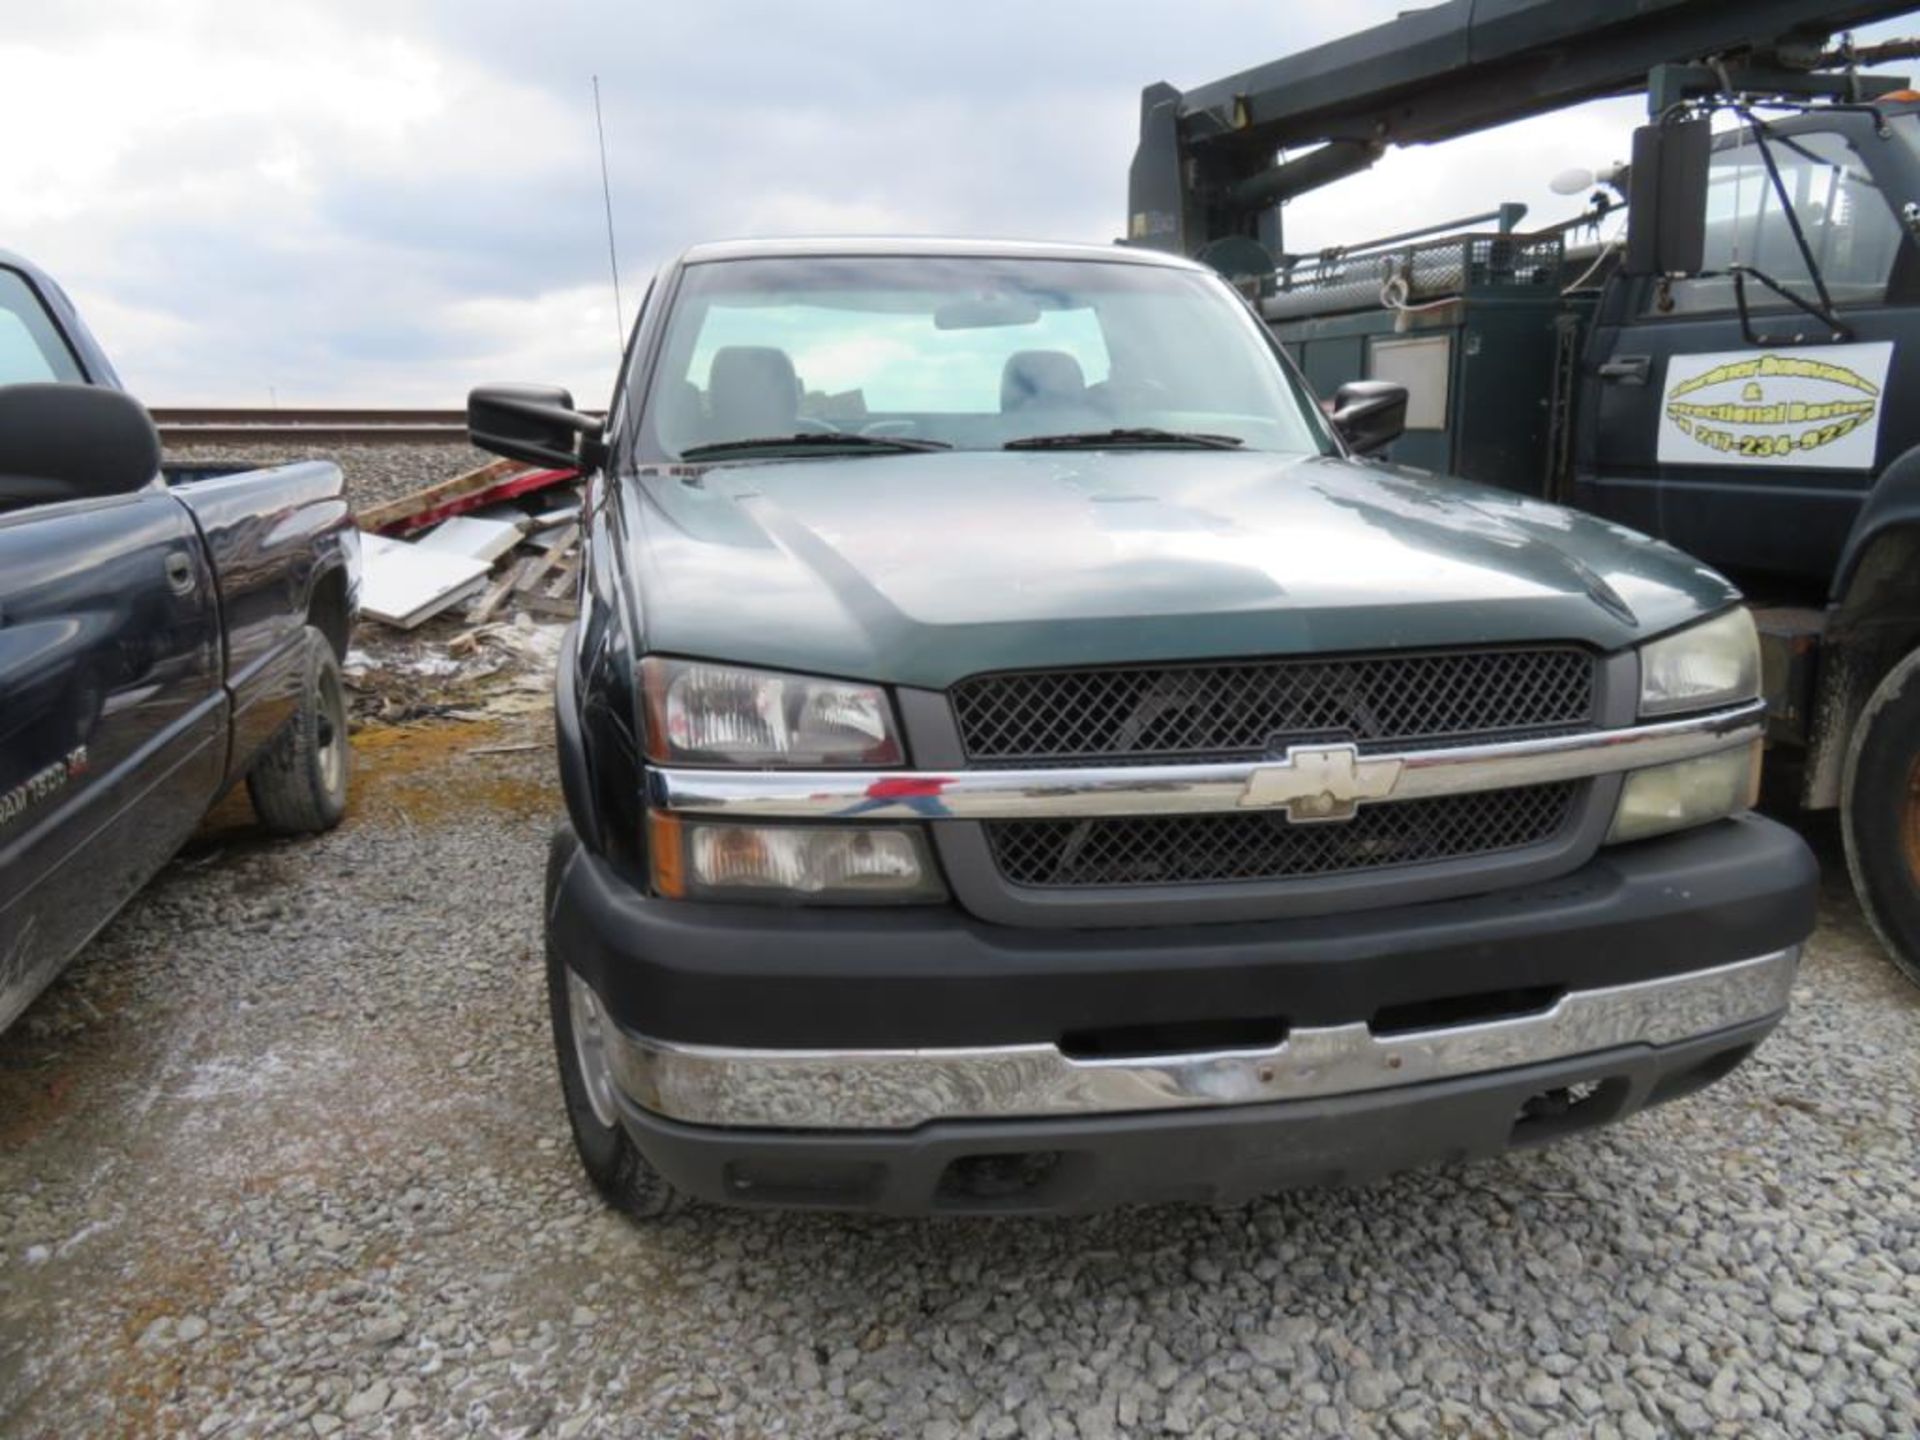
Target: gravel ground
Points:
(374, 472)
(283, 1153)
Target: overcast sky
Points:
(327, 201)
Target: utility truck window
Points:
(31, 349)
(840, 354)
(1848, 225)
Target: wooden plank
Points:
(538, 565)
(534, 603)
(397, 512)
(565, 578)
(482, 610)
(525, 483)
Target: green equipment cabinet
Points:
(1475, 326)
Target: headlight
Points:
(1687, 792)
(866, 865)
(1716, 663)
(729, 715)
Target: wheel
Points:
(1880, 813)
(299, 782)
(617, 1168)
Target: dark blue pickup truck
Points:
(163, 635)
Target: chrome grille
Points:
(1263, 845)
(1148, 713)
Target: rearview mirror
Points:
(1667, 199)
(1370, 414)
(535, 423)
(73, 442)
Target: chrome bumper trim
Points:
(1071, 793)
(899, 1089)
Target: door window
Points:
(1848, 225)
(30, 347)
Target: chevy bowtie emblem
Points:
(1320, 782)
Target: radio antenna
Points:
(606, 194)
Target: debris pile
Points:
(446, 670)
(502, 540)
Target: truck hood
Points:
(921, 569)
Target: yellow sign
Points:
(1817, 409)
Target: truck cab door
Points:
(111, 718)
(112, 714)
(1756, 458)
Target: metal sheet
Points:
(404, 584)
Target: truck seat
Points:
(1047, 379)
(680, 409)
(752, 393)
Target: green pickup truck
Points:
(1021, 756)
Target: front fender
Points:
(1892, 505)
(1873, 619)
(576, 777)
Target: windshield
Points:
(964, 353)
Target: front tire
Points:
(298, 784)
(1880, 813)
(615, 1165)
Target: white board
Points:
(403, 584)
(473, 536)
(1811, 407)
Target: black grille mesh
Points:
(1167, 713)
(1188, 849)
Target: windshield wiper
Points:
(1131, 435)
(896, 444)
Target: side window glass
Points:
(1848, 225)
(31, 349)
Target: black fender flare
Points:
(332, 569)
(1873, 620)
(576, 774)
(1893, 504)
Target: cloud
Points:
(355, 202)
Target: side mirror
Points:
(536, 423)
(1370, 414)
(1667, 199)
(73, 442)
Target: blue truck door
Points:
(112, 730)
(1756, 458)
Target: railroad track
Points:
(238, 426)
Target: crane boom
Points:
(1207, 169)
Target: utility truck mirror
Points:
(1370, 414)
(1667, 214)
(535, 423)
(72, 442)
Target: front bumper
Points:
(903, 1089)
(1222, 1156)
(775, 978)
(865, 1058)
